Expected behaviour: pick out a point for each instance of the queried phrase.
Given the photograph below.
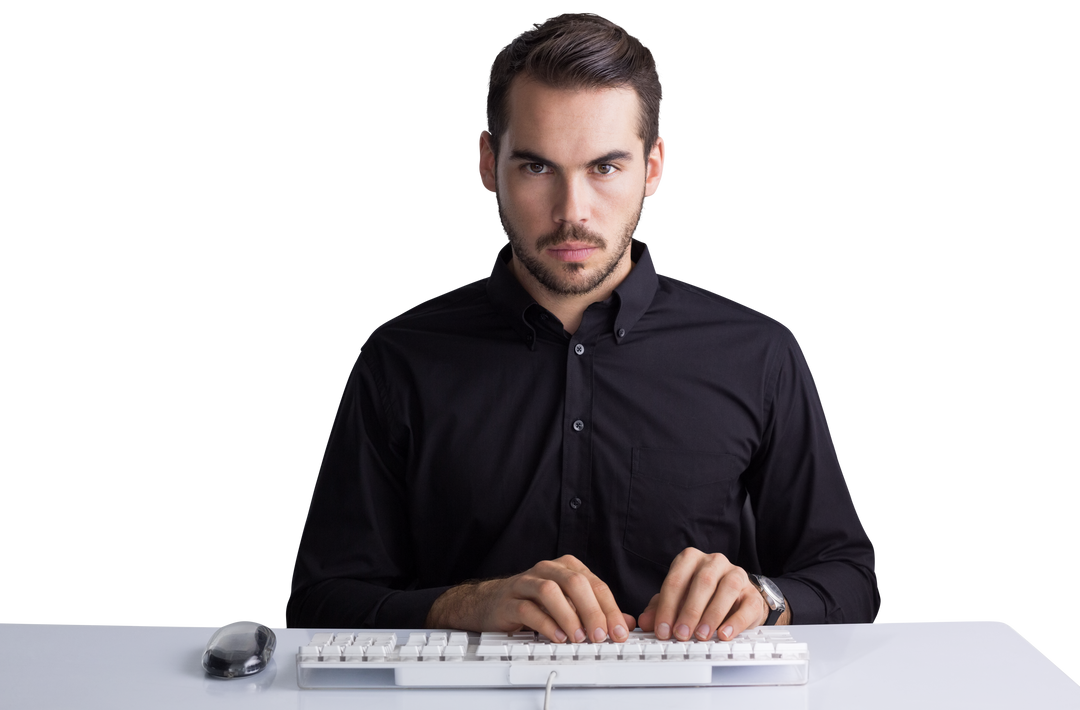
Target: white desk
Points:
(955, 665)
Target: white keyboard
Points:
(437, 659)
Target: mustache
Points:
(570, 233)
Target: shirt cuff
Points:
(804, 602)
(407, 610)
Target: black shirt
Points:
(477, 437)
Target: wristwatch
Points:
(774, 598)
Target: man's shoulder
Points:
(461, 309)
(696, 304)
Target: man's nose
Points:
(572, 204)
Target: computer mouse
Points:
(239, 650)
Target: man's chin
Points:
(571, 279)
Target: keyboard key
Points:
(763, 649)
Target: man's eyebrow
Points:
(610, 157)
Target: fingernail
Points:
(663, 631)
(727, 631)
(703, 632)
(599, 635)
(560, 636)
(620, 632)
(682, 631)
(579, 636)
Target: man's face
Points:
(570, 181)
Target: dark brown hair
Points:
(577, 52)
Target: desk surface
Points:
(953, 665)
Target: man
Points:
(576, 432)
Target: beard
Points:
(565, 279)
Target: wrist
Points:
(444, 613)
(459, 607)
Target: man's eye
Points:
(605, 169)
(535, 168)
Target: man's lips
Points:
(572, 251)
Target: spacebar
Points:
(610, 673)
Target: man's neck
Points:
(570, 309)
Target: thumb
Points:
(648, 617)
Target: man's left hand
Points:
(702, 594)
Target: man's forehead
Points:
(593, 120)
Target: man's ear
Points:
(654, 167)
(487, 162)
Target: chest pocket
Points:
(681, 499)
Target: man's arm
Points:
(354, 567)
(809, 538)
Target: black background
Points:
(269, 190)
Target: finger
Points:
(673, 590)
(748, 612)
(631, 622)
(711, 573)
(596, 606)
(526, 613)
(728, 592)
(595, 603)
(549, 596)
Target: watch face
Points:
(772, 592)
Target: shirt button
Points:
(575, 503)
(579, 425)
(622, 332)
(579, 348)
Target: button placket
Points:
(577, 443)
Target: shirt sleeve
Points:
(355, 566)
(809, 538)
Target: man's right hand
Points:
(560, 598)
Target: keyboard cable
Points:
(547, 691)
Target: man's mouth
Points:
(571, 251)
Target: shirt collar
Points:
(632, 297)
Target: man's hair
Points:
(576, 52)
